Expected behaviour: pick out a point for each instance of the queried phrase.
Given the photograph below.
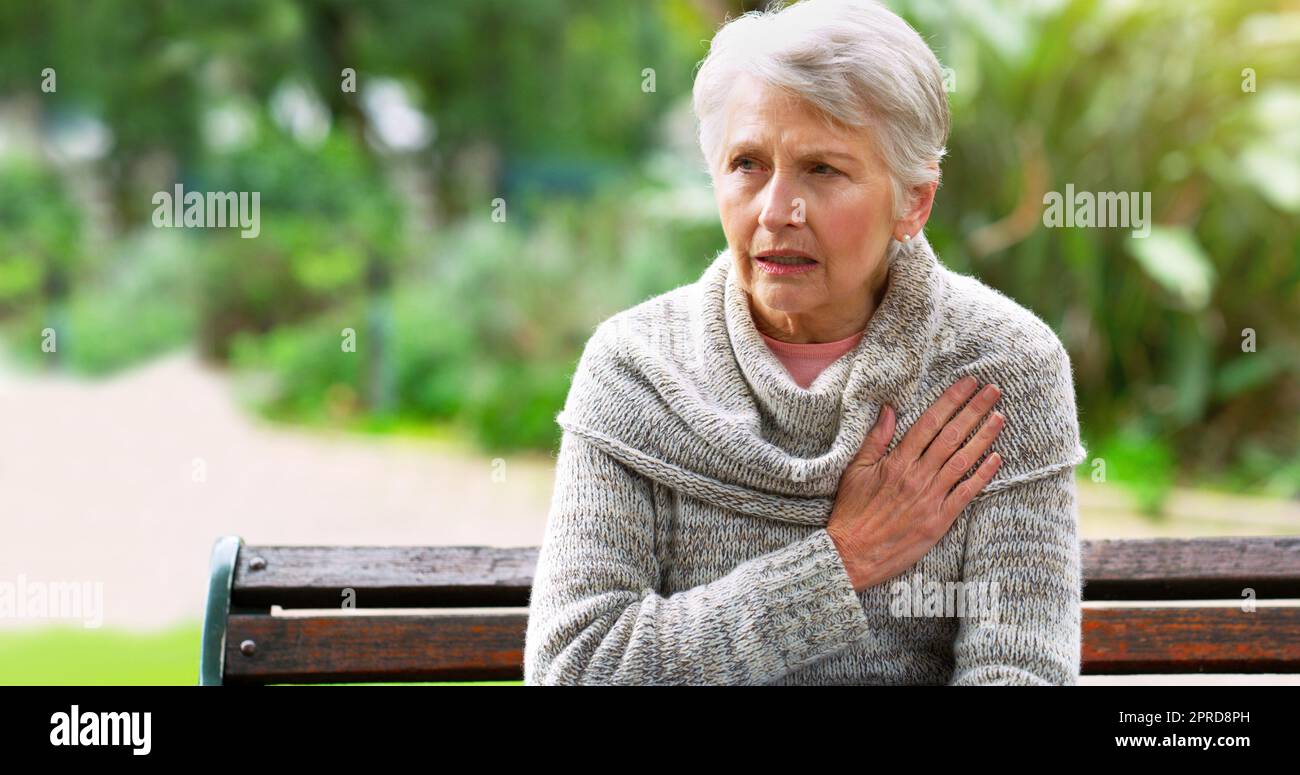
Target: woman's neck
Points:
(815, 328)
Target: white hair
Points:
(855, 61)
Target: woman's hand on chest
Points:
(890, 510)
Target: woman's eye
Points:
(819, 168)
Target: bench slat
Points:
(1183, 640)
(1191, 568)
(365, 648)
(384, 576)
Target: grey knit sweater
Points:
(686, 539)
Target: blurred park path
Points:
(129, 480)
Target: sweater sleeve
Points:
(596, 617)
(1023, 543)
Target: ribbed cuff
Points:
(811, 604)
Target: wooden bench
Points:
(245, 642)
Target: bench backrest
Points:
(338, 621)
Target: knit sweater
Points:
(686, 541)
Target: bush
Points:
(1142, 464)
(486, 333)
(140, 304)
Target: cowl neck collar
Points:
(806, 430)
(683, 389)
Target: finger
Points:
(959, 463)
(877, 441)
(958, 428)
(967, 490)
(923, 431)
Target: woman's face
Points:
(786, 181)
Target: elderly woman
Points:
(791, 470)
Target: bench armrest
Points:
(212, 658)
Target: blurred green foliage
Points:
(1142, 463)
(543, 109)
(39, 234)
(488, 340)
(1182, 100)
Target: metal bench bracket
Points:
(212, 659)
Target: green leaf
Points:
(1244, 373)
(1172, 257)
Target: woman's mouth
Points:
(785, 265)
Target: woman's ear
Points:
(916, 217)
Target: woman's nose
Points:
(782, 206)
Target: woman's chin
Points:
(781, 299)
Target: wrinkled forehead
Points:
(752, 101)
(761, 115)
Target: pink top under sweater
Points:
(806, 361)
